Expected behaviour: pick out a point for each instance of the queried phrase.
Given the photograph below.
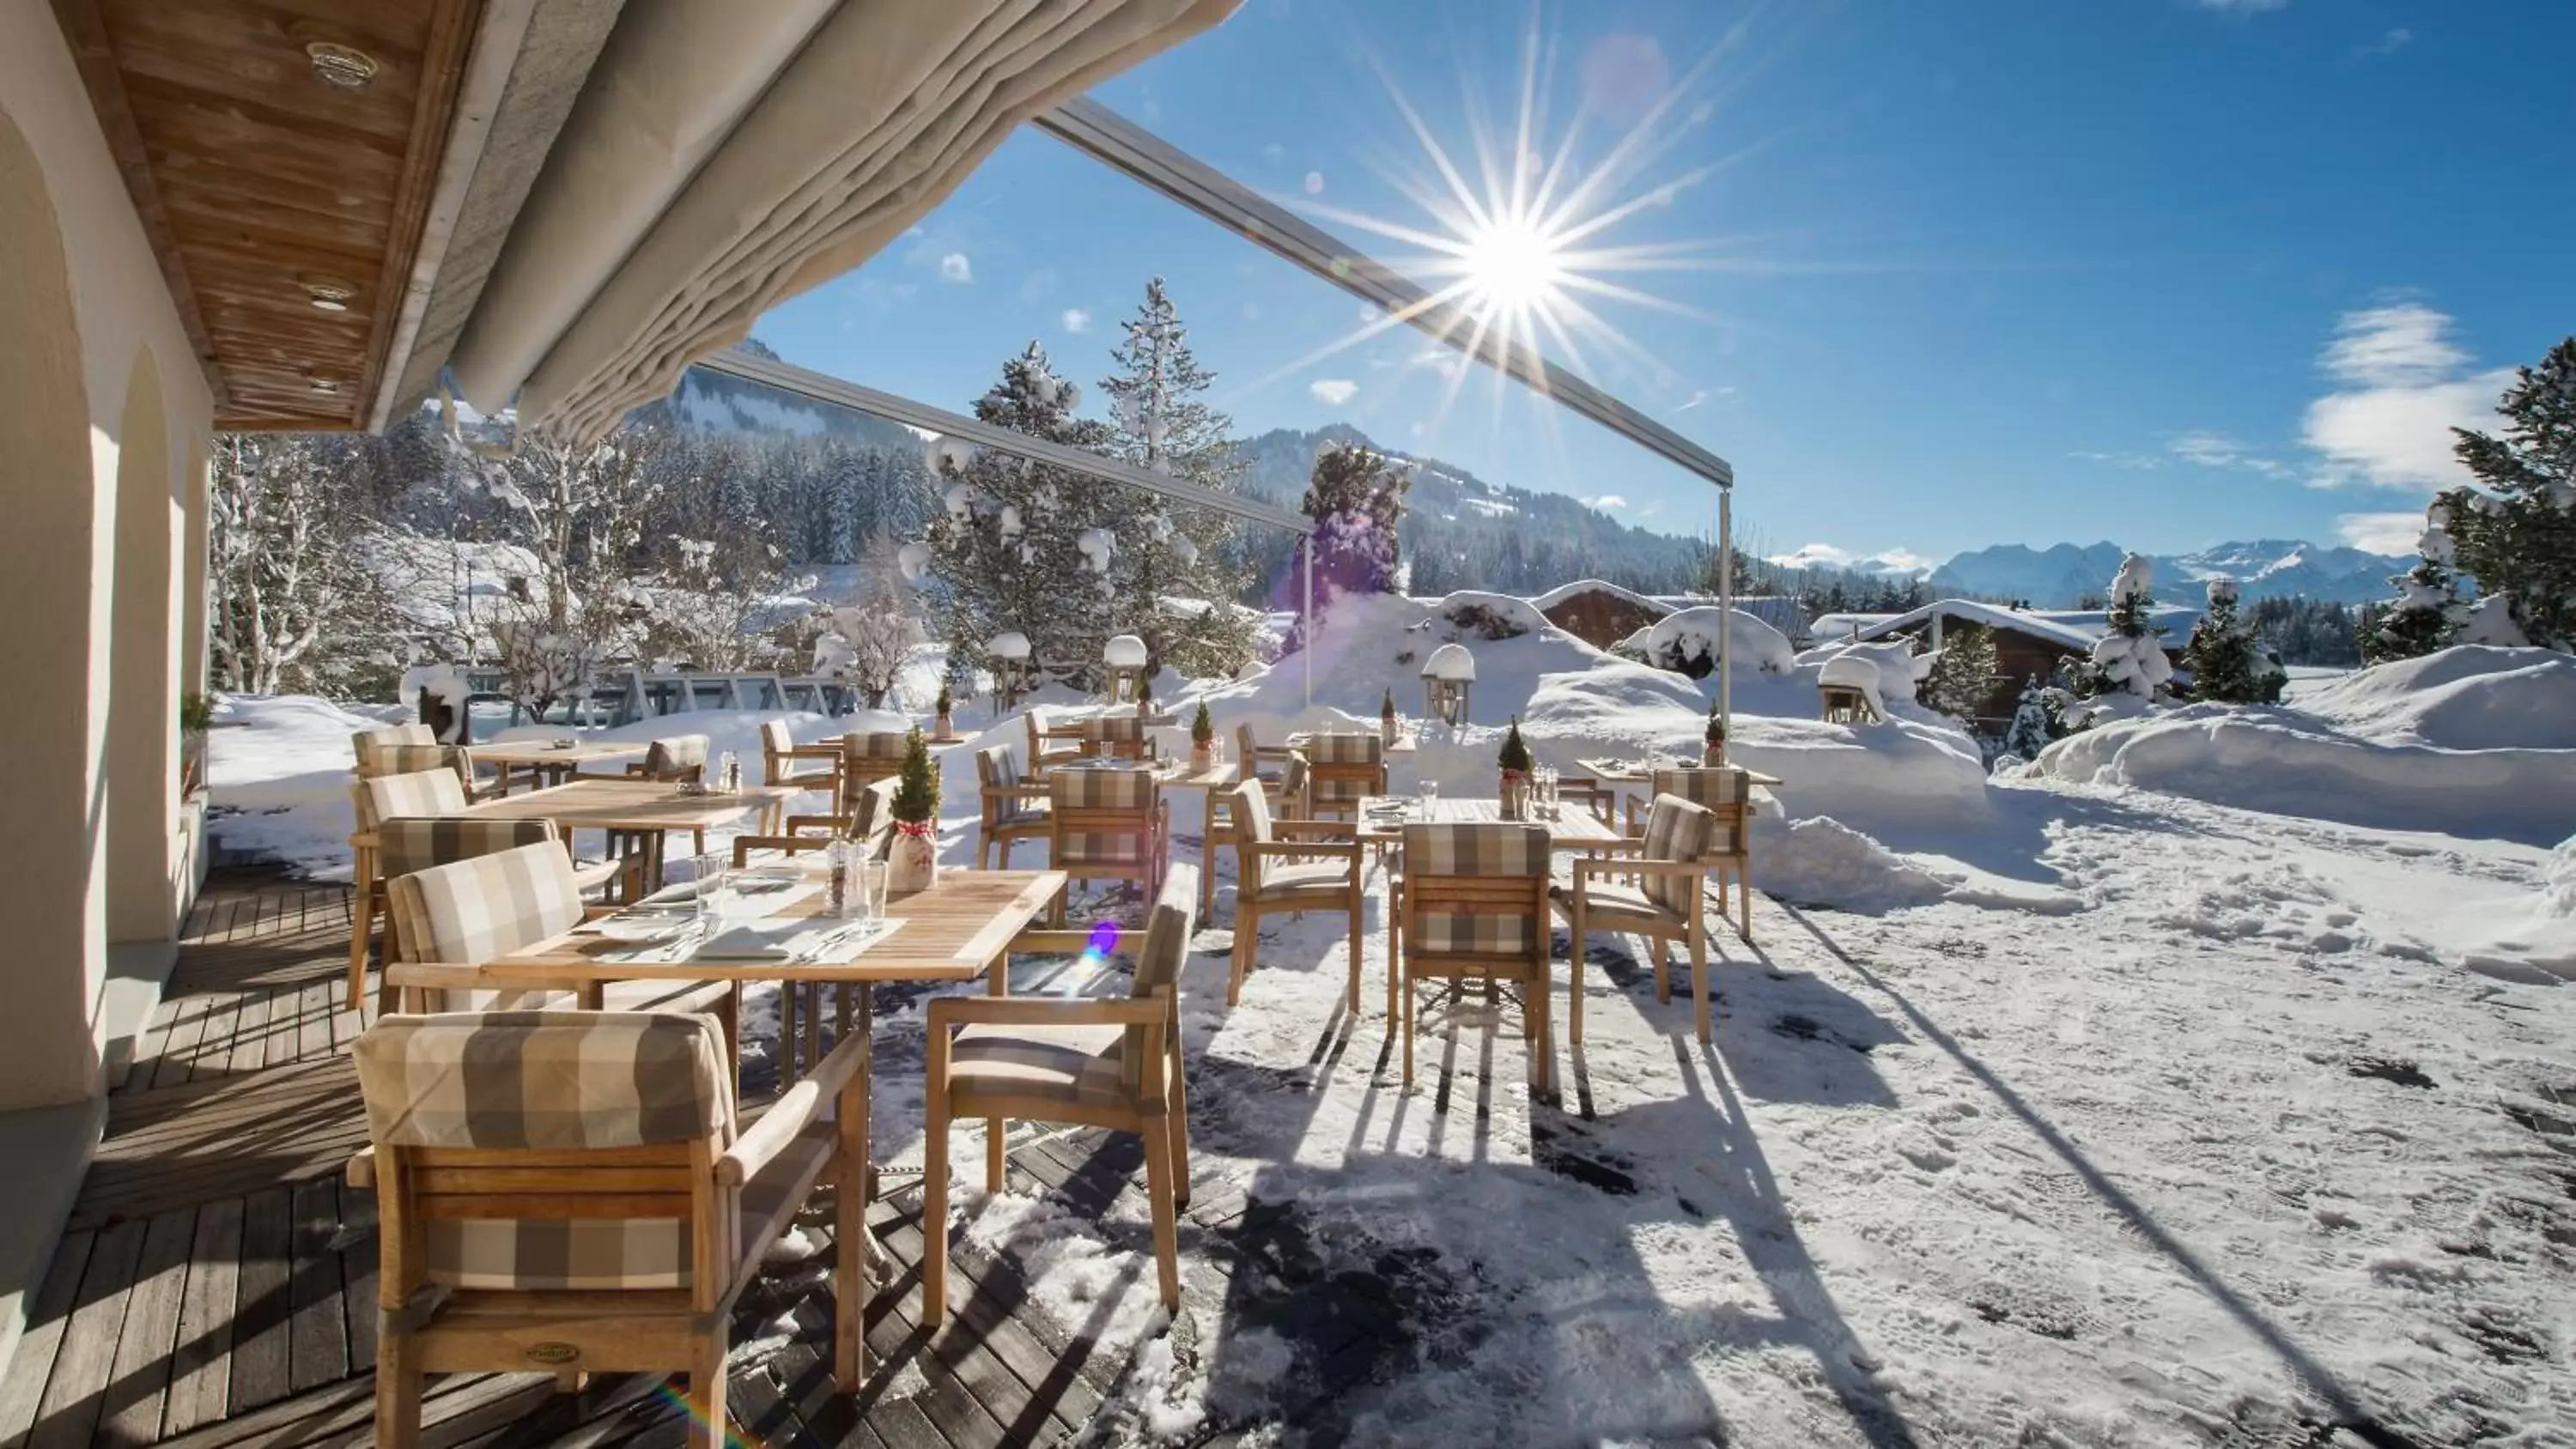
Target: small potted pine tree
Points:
(913, 858)
(196, 716)
(1144, 700)
(1202, 740)
(1515, 762)
(1713, 742)
(1386, 724)
(943, 726)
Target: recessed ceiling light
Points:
(344, 66)
(330, 294)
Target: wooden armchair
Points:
(785, 762)
(373, 799)
(1050, 745)
(1107, 824)
(1087, 1061)
(1669, 867)
(406, 845)
(1283, 868)
(1286, 792)
(1726, 792)
(404, 759)
(1473, 905)
(1259, 761)
(572, 1191)
(1012, 809)
(678, 759)
(1343, 769)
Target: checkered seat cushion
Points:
(998, 769)
(405, 845)
(1091, 1065)
(676, 757)
(418, 793)
(880, 746)
(1124, 791)
(1345, 767)
(1479, 848)
(548, 1081)
(470, 911)
(364, 743)
(1285, 881)
(1121, 729)
(1676, 830)
(1724, 789)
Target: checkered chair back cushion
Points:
(1118, 729)
(879, 745)
(548, 1081)
(473, 910)
(411, 759)
(1127, 792)
(1296, 781)
(1676, 829)
(774, 738)
(999, 770)
(366, 742)
(873, 816)
(407, 845)
(1345, 749)
(422, 792)
(1725, 789)
(1159, 960)
(675, 757)
(1486, 849)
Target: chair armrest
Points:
(1025, 790)
(950, 1012)
(1618, 845)
(1340, 850)
(1341, 828)
(797, 824)
(1586, 869)
(362, 1168)
(790, 1114)
(453, 976)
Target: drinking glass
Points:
(1430, 799)
(715, 890)
(841, 888)
(871, 879)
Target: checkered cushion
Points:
(411, 759)
(366, 742)
(1719, 787)
(998, 769)
(473, 910)
(1676, 829)
(545, 1081)
(1123, 729)
(877, 745)
(1167, 934)
(1345, 749)
(1480, 848)
(420, 793)
(407, 845)
(676, 757)
(1284, 881)
(1076, 1065)
(548, 1081)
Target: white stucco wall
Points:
(68, 232)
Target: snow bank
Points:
(1823, 862)
(2471, 697)
(278, 767)
(1688, 640)
(1580, 587)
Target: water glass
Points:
(871, 876)
(841, 898)
(715, 895)
(1430, 799)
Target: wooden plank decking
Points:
(216, 1282)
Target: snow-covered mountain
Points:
(1894, 564)
(2058, 576)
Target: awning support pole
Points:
(1726, 614)
(1306, 656)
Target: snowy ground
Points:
(2050, 1110)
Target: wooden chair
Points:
(406, 759)
(1591, 794)
(1343, 769)
(1012, 809)
(1473, 905)
(867, 756)
(572, 1192)
(1116, 737)
(785, 762)
(1048, 746)
(406, 845)
(1669, 867)
(1108, 824)
(373, 799)
(1726, 792)
(363, 744)
(1259, 761)
(1085, 1061)
(1276, 876)
(1286, 793)
(678, 759)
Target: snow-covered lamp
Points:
(1446, 677)
(1011, 675)
(1124, 655)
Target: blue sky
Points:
(2160, 271)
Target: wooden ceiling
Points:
(259, 182)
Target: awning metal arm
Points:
(1103, 134)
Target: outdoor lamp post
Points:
(1125, 657)
(1010, 670)
(1446, 676)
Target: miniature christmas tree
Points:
(1202, 726)
(1515, 755)
(916, 791)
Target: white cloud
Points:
(1608, 501)
(1700, 395)
(2404, 387)
(955, 268)
(2218, 450)
(1440, 360)
(1076, 320)
(1333, 391)
(2387, 44)
(2143, 462)
(2380, 532)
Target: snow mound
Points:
(1823, 862)
(2472, 697)
(279, 768)
(1688, 640)
(2287, 763)
(1580, 587)
(1491, 616)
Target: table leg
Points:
(852, 1189)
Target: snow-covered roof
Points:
(2077, 629)
(1563, 592)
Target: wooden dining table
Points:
(1613, 771)
(1574, 827)
(548, 763)
(959, 929)
(637, 813)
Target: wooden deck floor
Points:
(215, 1285)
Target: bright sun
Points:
(1513, 265)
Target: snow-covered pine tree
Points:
(2517, 532)
(1004, 549)
(2228, 664)
(1355, 495)
(2130, 658)
(2427, 611)
(1963, 675)
(2032, 725)
(1160, 422)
